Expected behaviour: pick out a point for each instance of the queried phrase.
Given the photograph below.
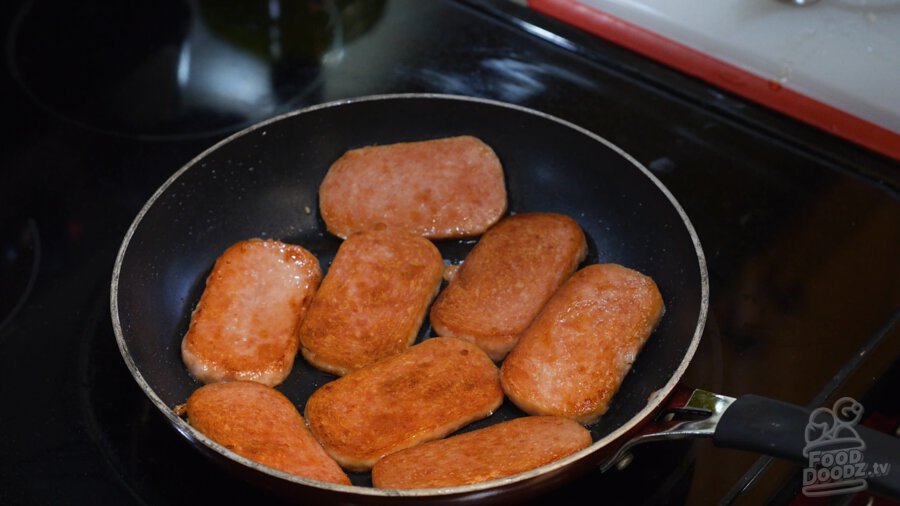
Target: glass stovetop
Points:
(801, 230)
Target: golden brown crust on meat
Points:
(441, 188)
(573, 357)
(245, 325)
(507, 278)
(504, 449)
(422, 394)
(372, 301)
(260, 423)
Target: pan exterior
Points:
(263, 182)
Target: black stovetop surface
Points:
(103, 102)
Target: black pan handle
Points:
(830, 442)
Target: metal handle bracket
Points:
(697, 417)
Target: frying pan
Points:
(263, 182)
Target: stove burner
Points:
(20, 257)
(173, 68)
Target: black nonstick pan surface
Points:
(263, 182)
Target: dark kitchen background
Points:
(105, 100)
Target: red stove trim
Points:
(725, 75)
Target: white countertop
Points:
(843, 53)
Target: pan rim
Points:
(192, 434)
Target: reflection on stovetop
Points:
(800, 232)
(213, 68)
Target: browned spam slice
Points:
(422, 394)
(507, 278)
(573, 357)
(505, 449)
(245, 325)
(372, 301)
(260, 423)
(450, 187)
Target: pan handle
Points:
(827, 440)
(841, 456)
